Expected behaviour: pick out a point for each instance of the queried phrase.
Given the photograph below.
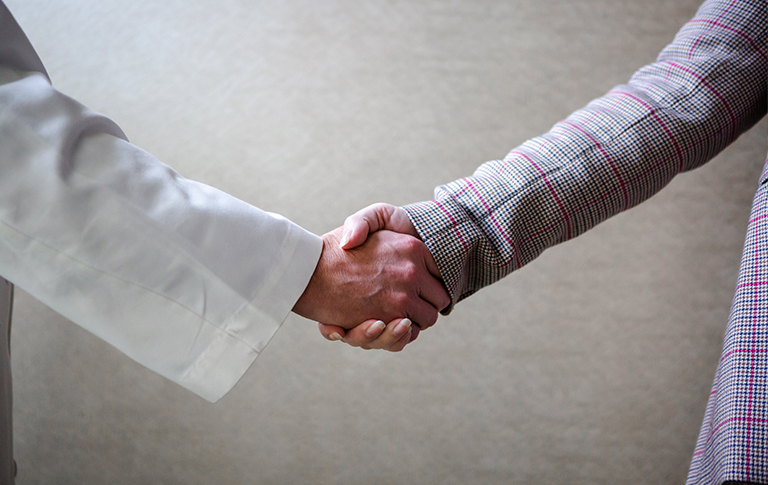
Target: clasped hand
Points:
(374, 269)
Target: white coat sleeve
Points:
(181, 277)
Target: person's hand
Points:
(387, 277)
(374, 334)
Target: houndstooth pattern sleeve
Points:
(707, 87)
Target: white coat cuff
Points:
(232, 351)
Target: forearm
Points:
(706, 88)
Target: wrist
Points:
(312, 302)
(305, 306)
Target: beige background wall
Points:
(591, 365)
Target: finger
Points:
(372, 329)
(433, 291)
(415, 331)
(331, 332)
(365, 333)
(404, 340)
(393, 337)
(423, 313)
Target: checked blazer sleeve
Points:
(707, 87)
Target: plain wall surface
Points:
(591, 365)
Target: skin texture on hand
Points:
(356, 231)
(389, 276)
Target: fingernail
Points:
(334, 336)
(402, 327)
(344, 240)
(375, 329)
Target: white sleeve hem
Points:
(231, 352)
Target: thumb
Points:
(375, 218)
(357, 227)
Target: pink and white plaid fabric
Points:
(705, 89)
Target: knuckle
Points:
(410, 271)
(412, 244)
(430, 320)
(401, 302)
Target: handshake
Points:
(374, 269)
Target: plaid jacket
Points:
(704, 90)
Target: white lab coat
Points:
(183, 278)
